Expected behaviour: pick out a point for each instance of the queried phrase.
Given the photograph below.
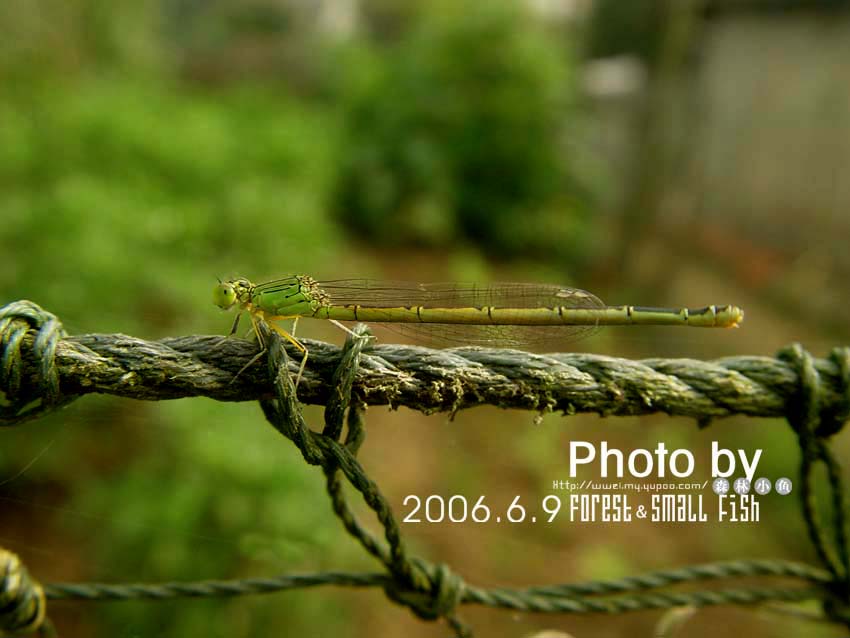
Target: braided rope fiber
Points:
(41, 369)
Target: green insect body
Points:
(471, 314)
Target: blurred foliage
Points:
(164, 189)
(47, 39)
(124, 191)
(389, 21)
(625, 28)
(267, 40)
(213, 43)
(187, 505)
(450, 139)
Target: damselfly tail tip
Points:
(737, 316)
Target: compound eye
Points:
(224, 296)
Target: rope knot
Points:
(833, 420)
(22, 602)
(814, 426)
(811, 417)
(444, 592)
(25, 399)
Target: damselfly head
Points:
(224, 295)
(233, 291)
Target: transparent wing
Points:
(452, 334)
(373, 293)
(514, 296)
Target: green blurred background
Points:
(655, 152)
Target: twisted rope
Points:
(22, 602)
(17, 320)
(587, 597)
(814, 427)
(430, 592)
(396, 375)
(44, 370)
